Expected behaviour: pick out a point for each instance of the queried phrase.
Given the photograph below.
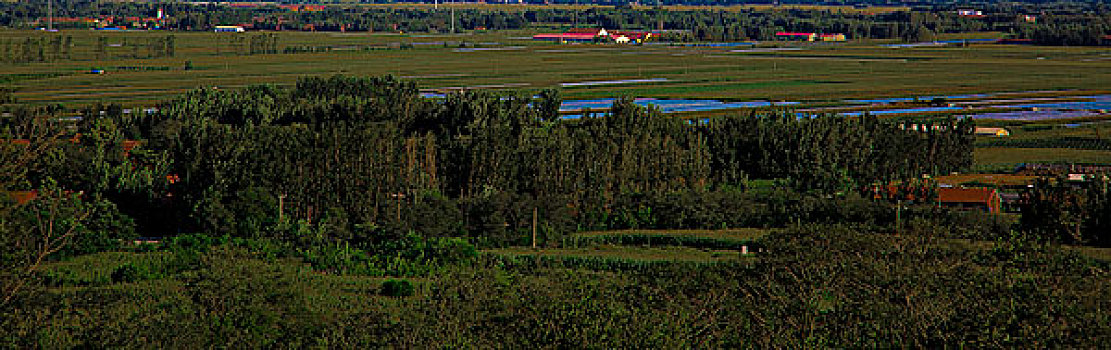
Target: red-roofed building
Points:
(985, 199)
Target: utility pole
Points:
(281, 205)
(898, 215)
(534, 214)
(50, 15)
(453, 17)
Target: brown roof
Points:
(966, 195)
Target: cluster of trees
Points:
(837, 155)
(1074, 31)
(1062, 211)
(368, 156)
(360, 163)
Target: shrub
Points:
(397, 288)
(125, 274)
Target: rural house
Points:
(986, 199)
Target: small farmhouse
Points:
(985, 199)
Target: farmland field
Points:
(1009, 157)
(817, 72)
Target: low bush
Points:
(397, 288)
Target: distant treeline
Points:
(55, 47)
(1072, 23)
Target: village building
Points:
(988, 200)
(984, 199)
(970, 13)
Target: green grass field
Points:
(1008, 157)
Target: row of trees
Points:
(54, 47)
(245, 45)
(36, 49)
